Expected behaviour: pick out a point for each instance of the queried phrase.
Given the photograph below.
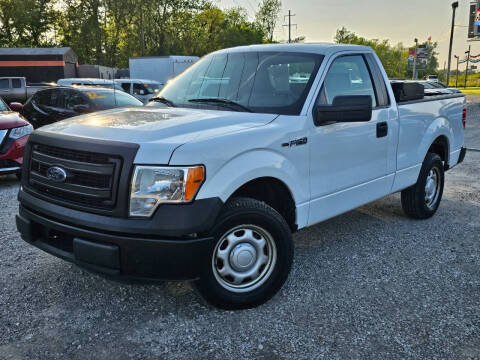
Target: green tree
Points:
(26, 23)
(393, 58)
(267, 17)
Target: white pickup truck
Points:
(210, 179)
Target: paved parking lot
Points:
(367, 284)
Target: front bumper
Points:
(110, 249)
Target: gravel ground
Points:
(367, 284)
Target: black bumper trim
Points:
(127, 257)
(169, 220)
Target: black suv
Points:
(58, 103)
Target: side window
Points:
(138, 89)
(53, 99)
(75, 99)
(126, 87)
(16, 83)
(42, 97)
(4, 84)
(348, 75)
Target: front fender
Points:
(252, 165)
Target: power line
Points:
(290, 15)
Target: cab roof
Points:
(315, 48)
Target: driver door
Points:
(348, 160)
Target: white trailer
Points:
(159, 68)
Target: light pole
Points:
(456, 79)
(468, 59)
(414, 75)
(454, 7)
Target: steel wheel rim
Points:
(244, 258)
(432, 187)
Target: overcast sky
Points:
(396, 20)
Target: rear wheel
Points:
(251, 258)
(421, 200)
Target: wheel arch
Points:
(438, 140)
(441, 147)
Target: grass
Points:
(470, 90)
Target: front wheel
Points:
(251, 257)
(421, 201)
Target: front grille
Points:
(91, 181)
(82, 156)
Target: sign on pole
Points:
(474, 21)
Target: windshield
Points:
(105, 99)
(259, 81)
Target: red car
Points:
(14, 131)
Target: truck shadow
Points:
(8, 181)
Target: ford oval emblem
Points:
(56, 174)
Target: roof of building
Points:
(35, 51)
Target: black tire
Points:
(414, 201)
(18, 174)
(236, 213)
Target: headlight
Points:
(21, 131)
(153, 185)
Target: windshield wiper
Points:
(220, 101)
(163, 100)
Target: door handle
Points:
(382, 129)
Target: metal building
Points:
(96, 71)
(39, 64)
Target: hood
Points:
(160, 130)
(11, 119)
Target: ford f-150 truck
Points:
(210, 179)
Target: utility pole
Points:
(444, 69)
(400, 64)
(468, 60)
(454, 8)
(290, 15)
(414, 75)
(456, 78)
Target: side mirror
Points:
(16, 106)
(345, 108)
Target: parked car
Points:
(437, 88)
(106, 83)
(58, 103)
(14, 131)
(143, 90)
(209, 180)
(15, 89)
(432, 78)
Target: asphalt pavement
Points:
(367, 284)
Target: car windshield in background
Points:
(107, 99)
(263, 82)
